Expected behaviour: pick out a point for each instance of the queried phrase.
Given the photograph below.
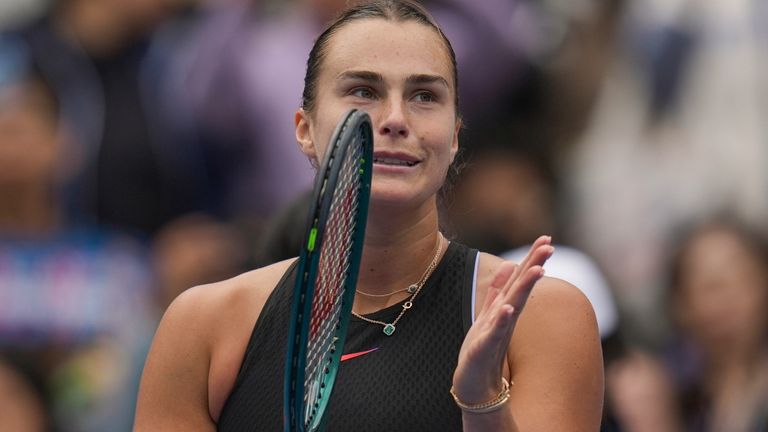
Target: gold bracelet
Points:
(485, 407)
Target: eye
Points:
(363, 92)
(425, 96)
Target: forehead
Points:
(385, 46)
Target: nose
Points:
(394, 121)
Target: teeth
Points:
(390, 161)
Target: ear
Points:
(455, 142)
(304, 136)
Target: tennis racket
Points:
(327, 272)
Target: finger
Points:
(541, 241)
(518, 296)
(498, 326)
(490, 296)
(503, 273)
(506, 316)
(536, 257)
(541, 255)
(503, 328)
(525, 263)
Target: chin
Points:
(389, 197)
(398, 195)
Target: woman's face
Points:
(722, 293)
(401, 75)
(28, 139)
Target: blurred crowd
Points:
(147, 146)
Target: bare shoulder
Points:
(217, 309)
(556, 359)
(556, 310)
(198, 348)
(241, 293)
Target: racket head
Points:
(327, 272)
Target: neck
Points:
(26, 210)
(395, 241)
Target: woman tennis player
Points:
(442, 338)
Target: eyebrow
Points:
(361, 75)
(427, 79)
(377, 77)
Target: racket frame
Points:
(307, 269)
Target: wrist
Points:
(474, 404)
(479, 386)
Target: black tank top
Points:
(395, 383)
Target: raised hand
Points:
(478, 374)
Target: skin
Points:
(544, 338)
(31, 159)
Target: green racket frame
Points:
(355, 123)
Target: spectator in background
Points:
(193, 250)
(74, 299)
(714, 376)
(678, 133)
(99, 59)
(503, 197)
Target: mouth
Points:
(394, 162)
(394, 159)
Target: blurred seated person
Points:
(108, 68)
(714, 374)
(76, 299)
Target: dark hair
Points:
(391, 10)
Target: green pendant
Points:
(389, 329)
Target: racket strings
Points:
(334, 264)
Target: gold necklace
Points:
(411, 289)
(389, 328)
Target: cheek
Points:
(441, 145)
(323, 126)
(438, 134)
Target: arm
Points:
(173, 395)
(550, 349)
(198, 349)
(556, 361)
